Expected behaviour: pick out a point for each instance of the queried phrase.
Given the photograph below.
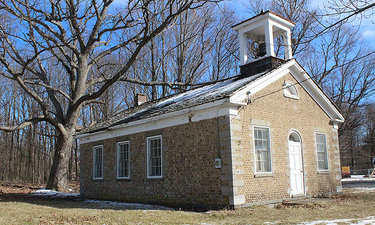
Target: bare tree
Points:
(343, 67)
(305, 17)
(369, 130)
(76, 36)
(346, 11)
(25, 153)
(201, 47)
(223, 58)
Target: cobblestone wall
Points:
(189, 151)
(283, 115)
(190, 177)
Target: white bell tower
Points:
(263, 28)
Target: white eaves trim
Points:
(302, 77)
(256, 22)
(202, 112)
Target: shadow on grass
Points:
(70, 202)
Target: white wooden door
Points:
(296, 170)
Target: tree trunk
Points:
(70, 164)
(372, 154)
(58, 178)
(154, 94)
(76, 158)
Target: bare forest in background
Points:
(26, 155)
(200, 47)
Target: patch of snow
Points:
(362, 190)
(366, 221)
(105, 204)
(357, 178)
(275, 222)
(45, 192)
(101, 203)
(211, 90)
(218, 88)
(362, 221)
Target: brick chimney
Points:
(140, 99)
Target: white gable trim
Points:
(316, 93)
(302, 77)
(260, 83)
(256, 22)
(193, 114)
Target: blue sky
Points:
(367, 25)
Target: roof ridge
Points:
(206, 93)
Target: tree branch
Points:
(24, 124)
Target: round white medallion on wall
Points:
(290, 90)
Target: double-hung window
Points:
(98, 162)
(123, 160)
(262, 150)
(321, 149)
(154, 157)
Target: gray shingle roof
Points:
(194, 97)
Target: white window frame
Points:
(94, 162)
(161, 156)
(286, 92)
(256, 172)
(317, 157)
(118, 159)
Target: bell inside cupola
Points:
(263, 29)
(261, 50)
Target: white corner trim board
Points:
(193, 114)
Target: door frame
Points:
(295, 132)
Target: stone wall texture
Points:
(269, 108)
(189, 150)
(190, 177)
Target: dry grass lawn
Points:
(20, 209)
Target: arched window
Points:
(290, 90)
(294, 137)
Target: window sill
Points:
(323, 172)
(155, 178)
(98, 179)
(123, 178)
(265, 174)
